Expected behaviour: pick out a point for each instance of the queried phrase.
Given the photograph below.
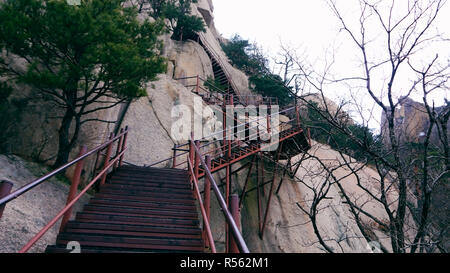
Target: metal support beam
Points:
(107, 159)
(5, 189)
(258, 197)
(284, 174)
(74, 185)
(271, 191)
(241, 200)
(207, 201)
(235, 212)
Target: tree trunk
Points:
(64, 143)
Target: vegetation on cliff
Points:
(82, 58)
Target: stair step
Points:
(133, 213)
(137, 234)
(129, 242)
(157, 192)
(165, 203)
(121, 209)
(151, 176)
(148, 188)
(152, 205)
(152, 170)
(188, 231)
(135, 219)
(87, 249)
(164, 185)
(175, 200)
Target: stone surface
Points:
(25, 216)
(289, 229)
(411, 122)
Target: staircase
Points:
(295, 137)
(138, 210)
(143, 209)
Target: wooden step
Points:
(135, 219)
(152, 205)
(129, 242)
(174, 200)
(147, 188)
(188, 231)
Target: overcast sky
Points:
(308, 25)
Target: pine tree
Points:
(82, 58)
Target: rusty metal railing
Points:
(195, 159)
(73, 197)
(214, 94)
(254, 125)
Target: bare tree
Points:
(390, 39)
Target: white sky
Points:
(310, 26)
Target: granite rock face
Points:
(411, 122)
(28, 214)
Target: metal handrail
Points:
(72, 197)
(24, 189)
(231, 128)
(202, 208)
(228, 217)
(70, 204)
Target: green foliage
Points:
(214, 85)
(158, 8)
(66, 44)
(270, 85)
(245, 56)
(9, 115)
(78, 55)
(183, 25)
(323, 132)
(249, 58)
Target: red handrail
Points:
(196, 156)
(72, 199)
(17, 193)
(70, 205)
(203, 210)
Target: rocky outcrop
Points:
(27, 215)
(411, 123)
(289, 229)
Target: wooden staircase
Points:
(138, 210)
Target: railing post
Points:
(124, 145)
(5, 189)
(73, 188)
(174, 161)
(197, 88)
(224, 121)
(119, 148)
(107, 158)
(235, 212)
(197, 160)
(207, 199)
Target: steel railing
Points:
(254, 127)
(73, 197)
(195, 159)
